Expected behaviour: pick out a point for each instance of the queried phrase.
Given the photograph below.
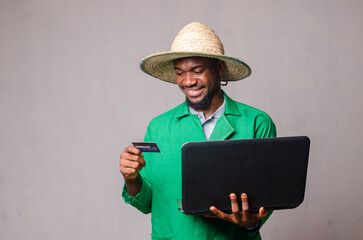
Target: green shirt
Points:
(161, 177)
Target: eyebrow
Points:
(193, 68)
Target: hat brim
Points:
(161, 66)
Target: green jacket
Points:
(161, 177)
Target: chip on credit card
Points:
(147, 146)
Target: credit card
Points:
(147, 146)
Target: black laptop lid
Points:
(271, 171)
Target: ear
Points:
(220, 67)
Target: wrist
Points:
(252, 228)
(133, 186)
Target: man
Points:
(197, 64)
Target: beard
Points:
(205, 102)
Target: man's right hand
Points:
(131, 162)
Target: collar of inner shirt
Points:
(215, 115)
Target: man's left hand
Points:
(242, 218)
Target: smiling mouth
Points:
(194, 92)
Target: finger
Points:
(234, 204)
(132, 164)
(126, 163)
(262, 213)
(245, 207)
(132, 157)
(140, 159)
(133, 150)
(129, 173)
(218, 213)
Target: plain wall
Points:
(72, 97)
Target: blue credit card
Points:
(147, 146)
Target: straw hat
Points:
(194, 40)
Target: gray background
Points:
(72, 97)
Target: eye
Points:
(199, 71)
(179, 73)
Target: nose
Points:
(189, 80)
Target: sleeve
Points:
(142, 201)
(264, 126)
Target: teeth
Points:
(194, 92)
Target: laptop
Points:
(271, 171)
